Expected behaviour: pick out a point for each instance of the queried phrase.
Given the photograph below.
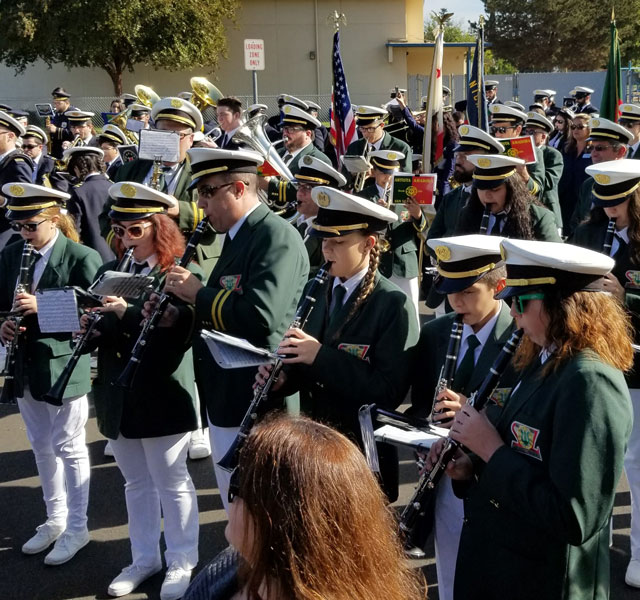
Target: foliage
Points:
(115, 36)
(454, 31)
(549, 35)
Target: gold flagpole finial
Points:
(481, 21)
(336, 19)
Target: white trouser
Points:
(221, 439)
(156, 476)
(632, 469)
(410, 288)
(449, 513)
(57, 438)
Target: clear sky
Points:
(463, 10)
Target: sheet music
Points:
(234, 353)
(125, 285)
(57, 311)
(154, 143)
(355, 163)
(413, 439)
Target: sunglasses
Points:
(520, 302)
(600, 147)
(209, 191)
(30, 146)
(572, 127)
(500, 129)
(135, 231)
(30, 227)
(627, 124)
(234, 486)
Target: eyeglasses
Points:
(628, 124)
(30, 227)
(234, 486)
(209, 191)
(532, 131)
(180, 134)
(572, 127)
(135, 232)
(600, 147)
(520, 302)
(368, 129)
(500, 129)
(305, 187)
(30, 146)
(291, 128)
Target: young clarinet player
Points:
(469, 272)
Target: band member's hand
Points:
(183, 284)
(26, 304)
(473, 430)
(449, 402)
(169, 317)
(66, 144)
(460, 466)
(400, 99)
(8, 330)
(84, 324)
(263, 374)
(52, 128)
(113, 304)
(524, 173)
(263, 183)
(414, 209)
(612, 285)
(300, 346)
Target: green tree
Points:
(454, 31)
(116, 36)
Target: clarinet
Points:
(608, 237)
(260, 393)
(429, 480)
(128, 375)
(56, 393)
(484, 223)
(449, 367)
(13, 371)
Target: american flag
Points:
(343, 126)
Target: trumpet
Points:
(360, 178)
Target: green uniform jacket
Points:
(446, 220)
(281, 193)
(313, 244)
(369, 362)
(162, 400)
(252, 293)
(591, 235)
(583, 205)
(388, 143)
(537, 514)
(189, 215)
(553, 165)
(46, 354)
(401, 259)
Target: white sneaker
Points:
(176, 582)
(199, 445)
(46, 534)
(108, 450)
(66, 547)
(632, 576)
(130, 578)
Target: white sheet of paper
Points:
(235, 353)
(413, 439)
(57, 311)
(163, 144)
(125, 285)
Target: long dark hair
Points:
(519, 224)
(86, 164)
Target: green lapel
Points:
(530, 382)
(54, 271)
(294, 165)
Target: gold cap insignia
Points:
(392, 156)
(128, 191)
(307, 160)
(627, 107)
(464, 130)
(595, 123)
(484, 162)
(495, 108)
(286, 109)
(16, 190)
(176, 103)
(443, 252)
(412, 190)
(323, 200)
(602, 179)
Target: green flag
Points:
(612, 93)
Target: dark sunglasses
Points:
(520, 302)
(209, 191)
(578, 127)
(30, 146)
(234, 486)
(600, 147)
(30, 227)
(624, 123)
(500, 129)
(135, 231)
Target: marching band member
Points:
(630, 119)
(470, 275)
(616, 200)
(60, 128)
(251, 293)
(34, 142)
(149, 426)
(358, 340)
(399, 257)
(513, 211)
(109, 139)
(229, 117)
(539, 486)
(307, 520)
(56, 433)
(82, 127)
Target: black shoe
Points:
(415, 552)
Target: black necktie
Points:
(163, 184)
(286, 158)
(225, 141)
(465, 368)
(139, 267)
(227, 241)
(337, 300)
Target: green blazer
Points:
(281, 193)
(313, 245)
(445, 222)
(553, 165)
(537, 514)
(162, 400)
(252, 293)
(46, 354)
(401, 259)
(430, 356)
(189, 216)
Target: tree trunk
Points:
(115, 74)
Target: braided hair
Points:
(86, 164)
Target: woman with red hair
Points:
(149, 425)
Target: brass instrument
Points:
(204, 94)
(156, 174)
(360, 178)
(47, 123)
(145, 96)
